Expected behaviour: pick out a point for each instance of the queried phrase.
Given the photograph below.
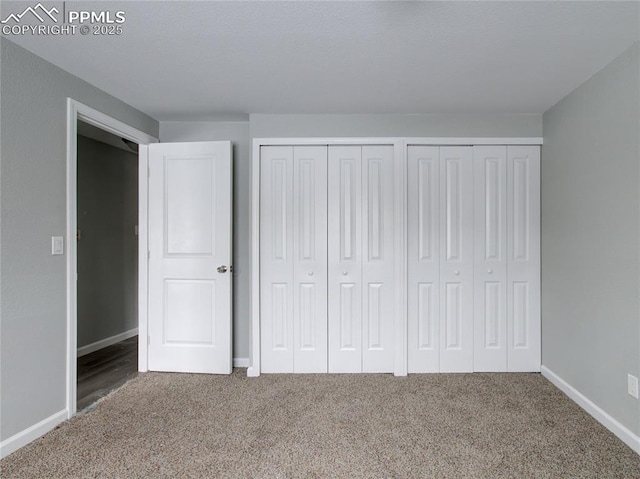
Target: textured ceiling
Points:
(208, 60)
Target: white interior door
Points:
(276, 259)
(361, 287)
(423, 253)
(378, 285)
(293, 259)
(456, 259)
(490, 268)
(310, 259)
(523, 250)
(190, 257)
(345, 259)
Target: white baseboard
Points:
(32, 433)
(240, 362)
(103, 343)
(623, 433)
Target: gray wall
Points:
(33, 208)
(108, 247)
(591, 237)
(238, 133)
(274, 126)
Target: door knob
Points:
(344, 273)
(222, 269)
(490, 271)
(456, 272)
(310, 273)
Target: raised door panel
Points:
(423, 253)
(490, 258)
(344, 231)
(377, 260)
(277, 288)
(310, 259)
(189, 219)
(456, 259)
(523, 258)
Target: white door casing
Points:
(456, 259)
(190, 232)
(423, 253)
(490, 258)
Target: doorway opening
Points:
(105, 281)
(107, 262)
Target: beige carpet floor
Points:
(343, 426)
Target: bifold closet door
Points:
(361, 245)
(423, 253)
(456, 259)
(490, 258)
(523, 258)
(293, 259)
(507, 258)
(440, 259)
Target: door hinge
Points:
(148, 254)
(148, 172)
(148, 340)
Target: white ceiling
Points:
(213, 60)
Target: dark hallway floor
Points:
(107, 369)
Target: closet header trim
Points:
(439, 141)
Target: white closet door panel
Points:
(456, 259)
(490, 258)
(310, 259)
(423, 238)
(344, 192)
(377, 260)
(277, 288)
(523, 250)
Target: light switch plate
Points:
(57, 245)
(632, 385)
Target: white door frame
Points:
(400, 363)
(78, 111)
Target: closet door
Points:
(293, 259)
(523, 252)
(423, 253)
(361, 244)
(310, 259)
(377, 260)
(276, 259)
(345, 259)
(490, 258)
(456, 259)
